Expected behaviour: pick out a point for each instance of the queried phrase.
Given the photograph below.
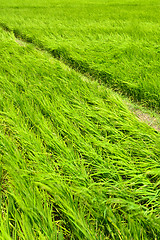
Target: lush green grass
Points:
(74, 161)
(114, 41)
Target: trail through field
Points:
(144, 117)
(152, 119)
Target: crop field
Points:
(75, 162)
(115, 41)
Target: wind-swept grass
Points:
(116, 42)
(75, 163)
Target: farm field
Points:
(75, 162)
(116, 42)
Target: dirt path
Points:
(145, 115)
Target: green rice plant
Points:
(75, 162)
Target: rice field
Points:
(75, 161)
(116, 42)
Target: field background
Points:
(75, 163)
(114, 41)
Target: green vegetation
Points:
(116, 42)
(75, 163)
